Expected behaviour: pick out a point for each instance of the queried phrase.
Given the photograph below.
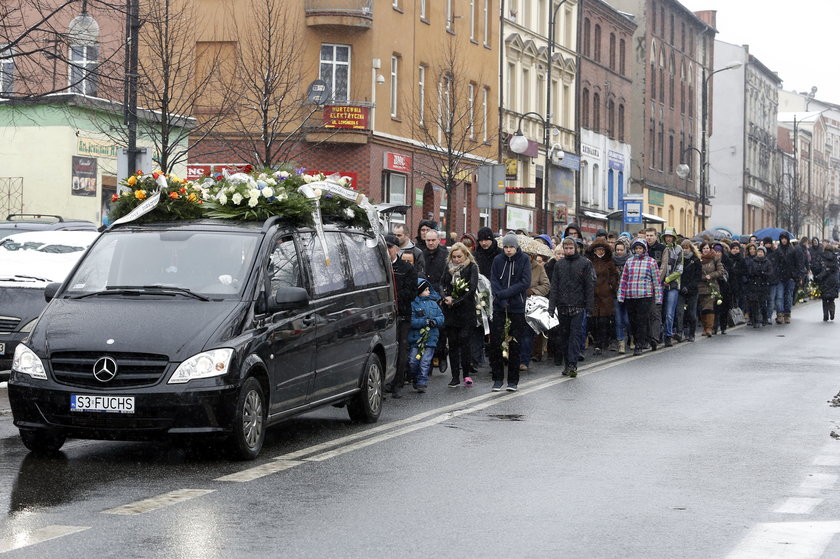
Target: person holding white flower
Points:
(708, 290)
(460, 285)
(426, 322)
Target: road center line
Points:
(798, 505)
(24, 539)
(786, 540)
(263, 470)
(159, 502)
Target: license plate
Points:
(2, 348)
(103, 403)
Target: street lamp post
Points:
(683, 169)
(518, 144)
(704, 109)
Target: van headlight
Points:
(26, 362)
(207, 364)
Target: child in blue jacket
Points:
(426, 320)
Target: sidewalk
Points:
(7, 429)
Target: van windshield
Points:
(210, 263)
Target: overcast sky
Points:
(792, 39)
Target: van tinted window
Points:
(325, 279)
(284, 264)
(366, 262)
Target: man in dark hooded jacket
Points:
(405, 279)
(486, 251)
(510, 278)
(790, 267)
(572, 230)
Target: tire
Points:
(42, 441)
(249, 421)
(366, 406)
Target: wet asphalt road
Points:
(720, 448)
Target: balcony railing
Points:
(349, 13)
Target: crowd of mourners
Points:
(470, 301)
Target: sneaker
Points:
(511, 388)
(668, 342)
(468, 381)
(596, 351)
(572, 371)
(566, 371)
(421, 388)
(454, 383)
(637, 351)
(497, 386)
(523, 367)
(653, 345)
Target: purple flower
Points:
(300, 170)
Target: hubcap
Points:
(374, 387)
(252, 418)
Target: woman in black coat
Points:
(759, 275)
(460, 286)
(827, 280)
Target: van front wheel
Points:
(367, 404)
(248, 434)
(42, 441)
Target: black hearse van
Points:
(207, 327)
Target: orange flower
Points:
(183, 190)
(173, 195)
(139, 172)
(140, 194)
(132, 180)
(192, 197)
(114, 197)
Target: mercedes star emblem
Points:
(105, 369)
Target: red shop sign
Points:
(397, 162)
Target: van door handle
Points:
(308, 320)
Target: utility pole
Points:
(132, 33)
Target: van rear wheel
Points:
(367, 404)
(249, 418)
(42, 441)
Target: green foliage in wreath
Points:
(179, 199)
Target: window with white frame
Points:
(472, 20)
(395, 62)
(395, 185)
(485, 94)
(486, 22)
(471, 101)
(421, 94)
(7, 69)
(83, 61)
(335, 70)
(445, 103)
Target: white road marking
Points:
(798, 505)
(159, 502)
(25, 539)
(817, 482)
(254, 473)
(827, 460)
(786, 540)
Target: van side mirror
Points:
(50, 290)
(288, 298)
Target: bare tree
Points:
(446, 125)
(270, 115)
(44, 48)
(182, 96)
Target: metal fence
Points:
(11, 196)
(364, 7)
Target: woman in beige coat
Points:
(708, 290)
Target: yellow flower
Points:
(192, 197)
(132, 180)
(175, 178)
(140, 194)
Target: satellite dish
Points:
(318, 92)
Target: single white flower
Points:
(268, 192)
(282, 196)
(308, 178)
(254, 193)
(283, 174)
(231, 189)
(349, 213)
(317, 192)
(237, 198)
(222, 198)
(253, 202)
(271, 182)
(262, 176)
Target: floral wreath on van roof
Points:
(245, 196)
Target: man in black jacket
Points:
(486, 251)
(790, 266)
(572, 293)
(434, 256)
(405, 279)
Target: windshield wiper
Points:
(18, 277)
(141, 289)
